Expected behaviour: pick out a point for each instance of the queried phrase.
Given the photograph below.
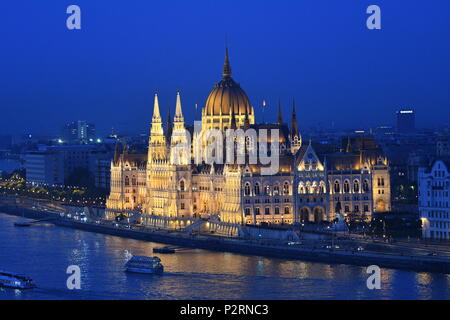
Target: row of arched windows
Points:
(303, 188)
(267, 211)
(266, 190)
(311, 188)
(346, 187)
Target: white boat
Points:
(141, 264)
(15, 281)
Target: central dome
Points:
(227, 94)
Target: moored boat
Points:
(15, 281)
(21, 224)
(165, 250)
(142, 264)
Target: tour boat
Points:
(141, 264)
(15, 281)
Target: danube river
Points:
(44, 252)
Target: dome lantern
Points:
(227, 94)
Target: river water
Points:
(44, 252)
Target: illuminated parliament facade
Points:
(309, 186)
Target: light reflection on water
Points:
(44, 252)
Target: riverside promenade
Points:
(438, 264)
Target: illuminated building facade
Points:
(168, 186)
(434, 199)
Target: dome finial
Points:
(226, 66)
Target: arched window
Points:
(267, 190)
(315, 188)
(247, 189)
(286, 188)
(182, 185)
(337, 187)
(257, 189)
(301, 188)
(356, 186)
(276, 190)
(127, 180)
(346, 186)
(307, 187)
(322, 187)
(366, 185)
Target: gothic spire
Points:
(226, 66)
(156, 113)
(178, 111)
(246, 120)
(169, 124)
(349, 146)
(233, 119)
(294, 124)
(280, 118)
(116, 152)
(125, 146)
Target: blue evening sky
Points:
(318, 51)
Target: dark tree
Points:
(80, 177)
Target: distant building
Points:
(406, 121)
(55, 164)
(443, 147)
(44, 167)
(78, 131)
(384, 130)
(434, 200)
(415, 161)
(102, 173)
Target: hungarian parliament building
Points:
(311, 184)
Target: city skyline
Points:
(321, 54)
(230, 151)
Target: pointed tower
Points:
(216, 113)
(157, 143)
(178, 111)
(169, 125)
(295, 137)
(233, 119)
(280, 117)
(125, 147)
(226, 65)
(348, 148)
(116, 152)
(180, 147)
(246, 120)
